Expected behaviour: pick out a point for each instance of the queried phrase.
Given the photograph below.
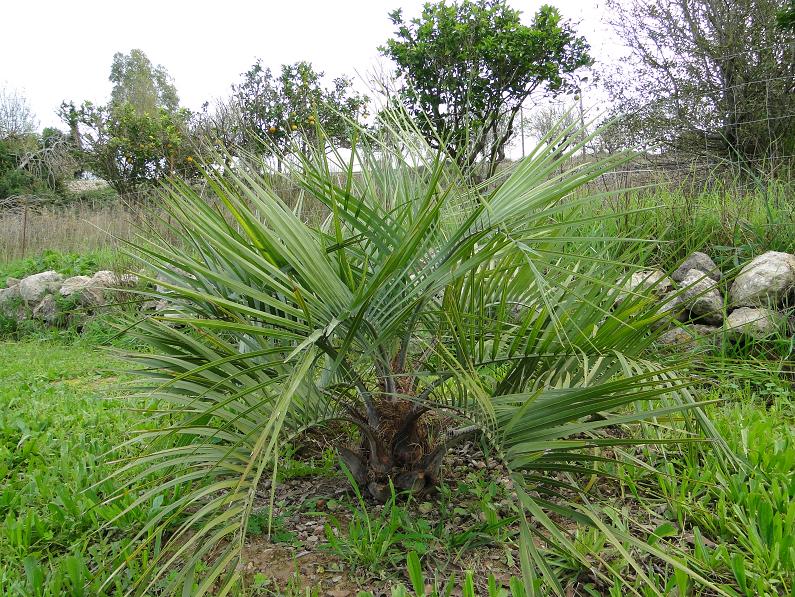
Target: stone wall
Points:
(56, 300)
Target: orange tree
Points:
(467, 67)
(277, 114)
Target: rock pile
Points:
(51, 298)
(755, 306)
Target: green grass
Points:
(68, 264)
(57, 418)
(59, 415)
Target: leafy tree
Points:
(29, 164)
(420, 314)
(467, 68)
(138, 82)
(129, 149)
(706, 77)
(279, 113)
(141, 135)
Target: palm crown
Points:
(418, 303)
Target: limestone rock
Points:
(108, 279)
(754, 322)
(11, 303)
(673, 307)
(87, 289)
(105, 279)
(688, 334)
(702, 297)
(644, 280)
(75, 284)
(11, 281)
(47, 310)
(765, 281)
(33, 288)
(675, 335)
(698, 261)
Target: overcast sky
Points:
(54, 50)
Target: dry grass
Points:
(28, 231)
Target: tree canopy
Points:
(467, 67)
(273, 112)
(705, 77)
(138, 82)
(141, 135)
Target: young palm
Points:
(420, 311)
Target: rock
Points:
(688, 334)
(47, 310)
(702, 297)
(754, 322)
(765, 281)
(11, 281)
(33, 288)
(673, 307)
(11, 304)
(106, 279)
(675, 335)
(128, 280)
(643, 280)
(698, 261)
(75, 284)
(87, 289)
(9, 295)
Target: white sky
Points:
(54, 50)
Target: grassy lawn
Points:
(58, 416)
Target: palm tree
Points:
(417, 303)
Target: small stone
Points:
(11, 303)
(105, 279)
(673, 308)
(675, 336)
(687, 334)
(698, 261)
(46, 310)
(757, 323)
(33, 288)
(11, 281)
(88, 291)
(643, 280)
(701, 296)
(764, 282)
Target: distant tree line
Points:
(463, 71)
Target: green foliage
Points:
(136, 81)
(786, 18)
(281, 113)
(468, 66)
(68, 264)
(17, 180)
(56, 422)
(464, 588)
(129, 149)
